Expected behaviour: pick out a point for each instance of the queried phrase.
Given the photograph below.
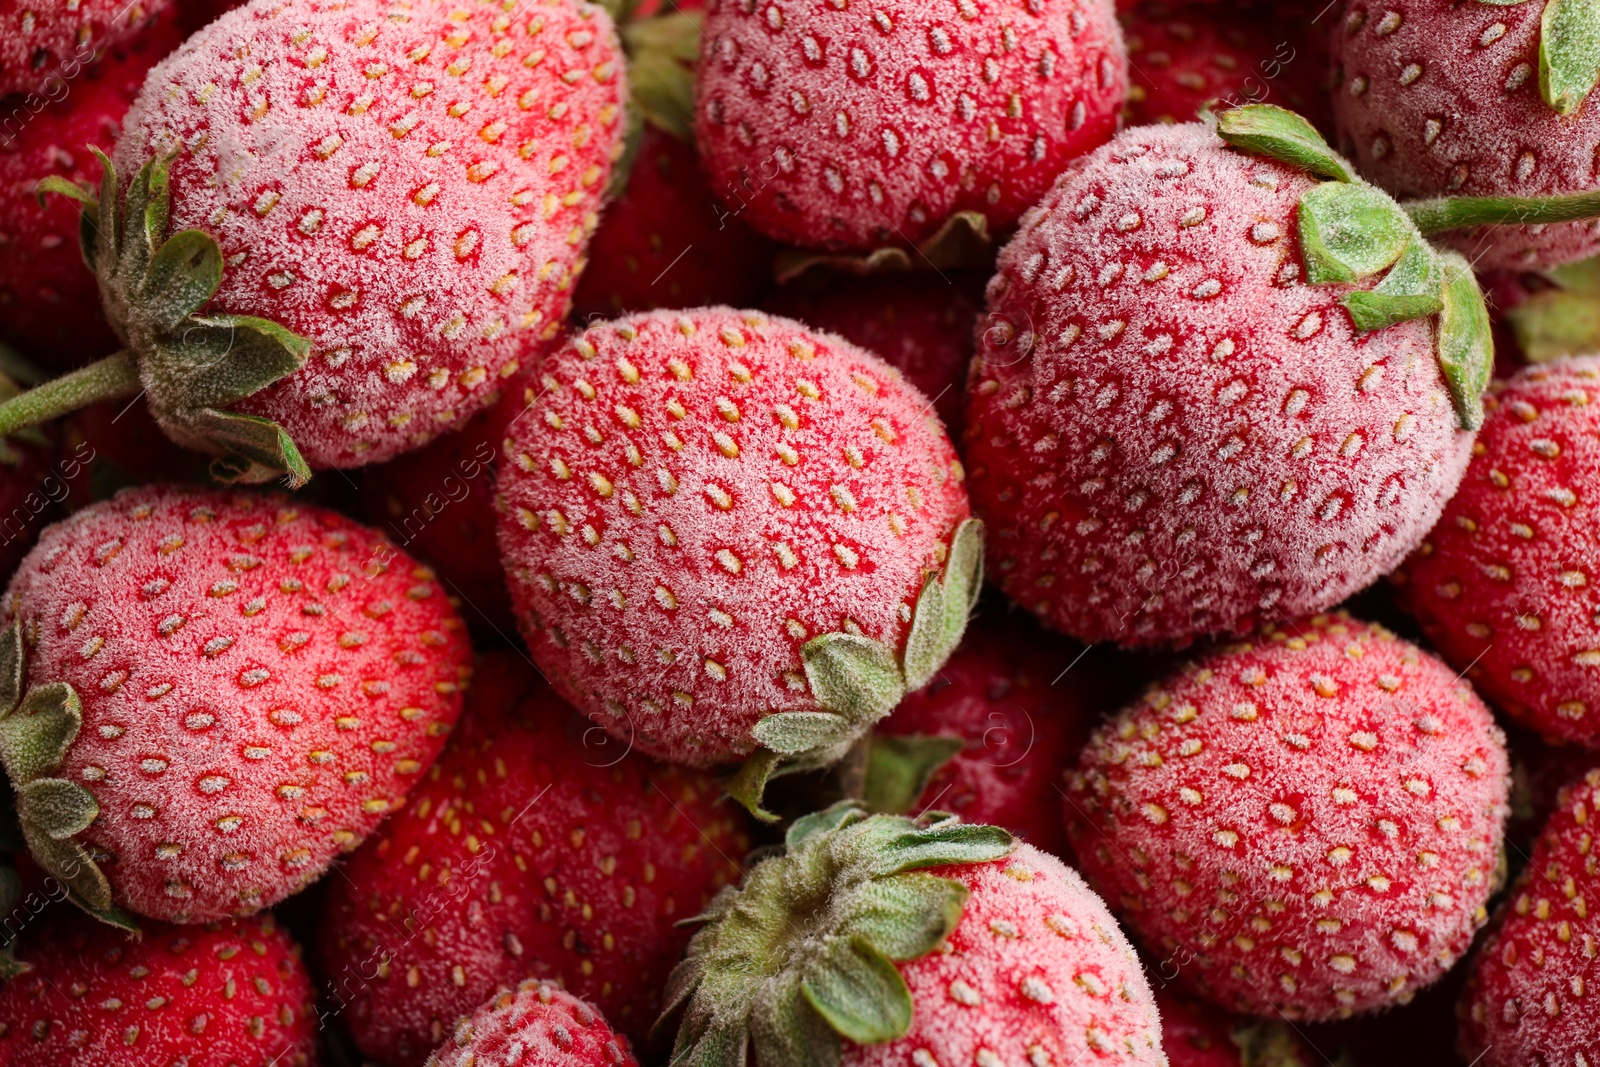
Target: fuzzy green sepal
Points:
(801, 957)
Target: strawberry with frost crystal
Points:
(536, 1025)
(330, 227)
(1307, 825)
(524, 855)
(1503, 587)
(1529, 999)
(206, 696)
(851, 126)
(876, 940)
(1479, 98)
(44, 46)
(727, 535)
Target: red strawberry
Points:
(1183, 57)
(219, 693)
(1501, 586)
(1007, 730)
(44, 47)
(352, 274)
(1444, 97)
(849, 126)
(1539, 771)
(49, 301)
(723, 534)
(223, 995)
(667, 242)
(524, 855)
(871, 941)
(1528, 1001)
(1195, 1035)
(921, 324)
(1181, 420)
(1307, 826)
(538, 1025)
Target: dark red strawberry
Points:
(1198, 1035)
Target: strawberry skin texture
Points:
(995, 693)
(1437, 98)
(43, 46)
(559, 861)
(1501, 586)
(220, 995)
(667, 242)
(1168, 432)
(1527, 1002)
(49, 300)
(1308, 825)
(538, 1025)
(261, 682)
(693, 496)
(417, 207)
(850, 127)
(1036, 972)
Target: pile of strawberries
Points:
(1014, 533)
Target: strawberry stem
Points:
(1457, 212)
(112, 377)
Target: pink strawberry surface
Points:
(49, 301)
(1529, 1000)
(1502, 586)
(693, 496)
(223, 995)
(1169, 432)
(46, 45)
(1308, 825)
(261, 682)
(411, 193)
(1438, 97)
(535, 849)
(849, 126)
(537, 1025)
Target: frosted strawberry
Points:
(849, 127)
(224, 995)
(727, 535)
(885, 940)
(45, 47)
(537, 1025)
(1502, 586)
(1476, 98)
(1528, 1000)
(563, 857)
(207, 696)
(1194, 1035)
(1307, 825)
(337, 227)
(49, 301)
(1214, 388)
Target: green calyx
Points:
(191, 367)
(36, 730)
(1562, 318)
(1352, 233)
(801, 956)
(899, 768)
(1569, 50)
(857, 680)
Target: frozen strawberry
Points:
(207, 696)
(1474, 98)
(877, 940)
(1195, 1035)
(1198, 407)
(44, 47)
(848, 126)
(534, 850)
(726, 535)
(537, 1025)
(667, 242)
(348, 278)
(1528, 1001)
(224, 995)
(1308, 825)
(1502, 586)
(994, 730)
(922, 324)
(49, 300)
